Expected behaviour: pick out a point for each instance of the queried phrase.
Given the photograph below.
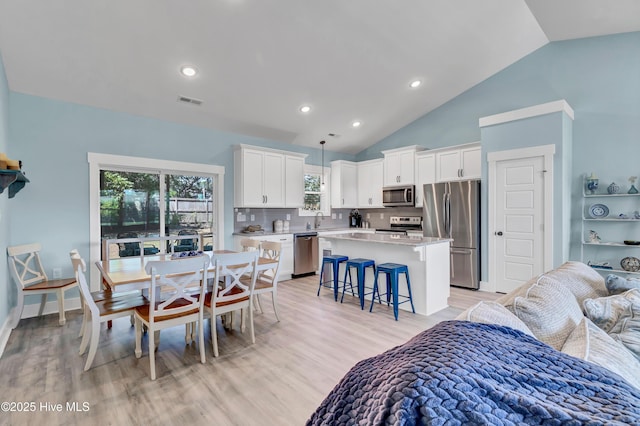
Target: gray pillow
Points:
(616, 284)
(590, 343)
(618, 316)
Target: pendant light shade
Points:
(322, 182)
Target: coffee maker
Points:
(355, 219)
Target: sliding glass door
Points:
(150, 204)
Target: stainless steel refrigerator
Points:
(452, 210)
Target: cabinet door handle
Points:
(461, 172)
(266, 198)
(343, 201)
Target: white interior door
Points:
(518, 231)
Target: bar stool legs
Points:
(392, 272)
(361, 266)
(334, 260)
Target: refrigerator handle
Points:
(447, 214)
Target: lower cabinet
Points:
(286, 262)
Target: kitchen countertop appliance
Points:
(305, 254)
(396, 196)
(401, 225)
(355, 219)
(452, 210)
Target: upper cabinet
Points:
(260, 177)
(425, 173)
(344, 185)
(399, 165)
(294, 181)
(370, 183)
(461, 163)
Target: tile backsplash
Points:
(377, 218)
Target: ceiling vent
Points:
(189, 100)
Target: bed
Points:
(461, 372)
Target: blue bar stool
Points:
(334, 260)
(361, 266)
(392, 271)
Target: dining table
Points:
(126, 273)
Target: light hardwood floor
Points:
(280, 380)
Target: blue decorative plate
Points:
(598, 211)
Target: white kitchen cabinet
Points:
(370, 182)
(425, 173)
(344, 185)
(294, 181)
(399, 165)
(461, 163)
(286, 255)
(260, 176)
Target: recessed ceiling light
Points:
(356, 123)
(188, 71)
(415, 83)
(305, 108)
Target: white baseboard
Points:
(485, 286)
(30, 311)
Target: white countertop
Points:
(411, 241)
(300, 231)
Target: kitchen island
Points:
(427, 259)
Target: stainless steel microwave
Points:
(393, 196)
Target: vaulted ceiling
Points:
(259, 61)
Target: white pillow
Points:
(493, 313)
(590, 343)
(550, 310)
(582, 280)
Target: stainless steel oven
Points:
(393, 196)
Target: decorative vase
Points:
(592, 184)
(632, 190)
(613, 188)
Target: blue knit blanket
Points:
(464, 373)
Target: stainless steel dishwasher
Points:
(305, 254)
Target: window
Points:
(139, 197)
(316, 197)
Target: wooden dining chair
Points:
(267, 280)
(176, 297)
(99, 307)
(249, 244)
(30, 278)
(230, 292)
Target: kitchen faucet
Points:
(317, 223)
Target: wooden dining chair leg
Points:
(43, 302)
(60, 295)
(214, 336)
(86, 335)
(251, 328)
(203, 356)
(138, 332)
(152, 355)
(275, 304)
(256, 300)
(93, 346)
(18, 312)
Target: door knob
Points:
(499, 233)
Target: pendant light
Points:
(322, 182)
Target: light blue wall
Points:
(52, 139)
(599, 77)
(6, 300)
